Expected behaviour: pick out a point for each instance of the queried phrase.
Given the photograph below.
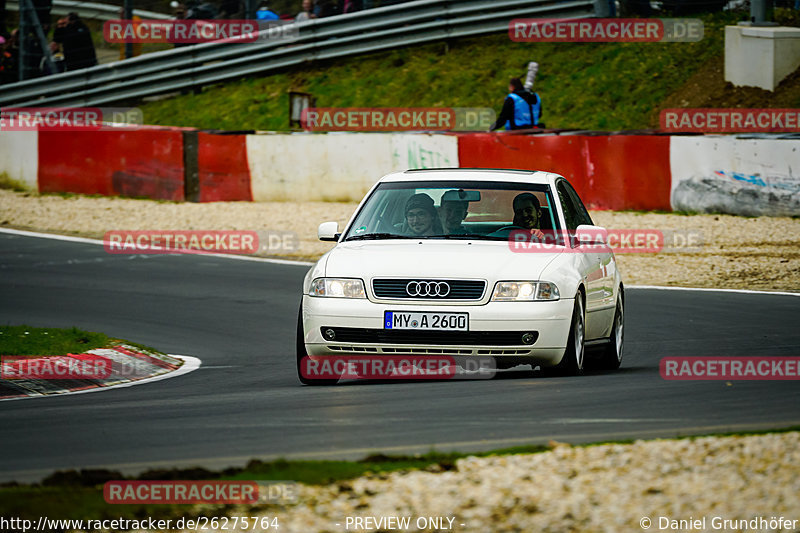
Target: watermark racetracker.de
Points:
(119, 363)
(605, 30)
(396, 367)
(709, 120)
(397, 118)
(200, 492)
(193, 31)
(69, 118)
(57, 367)
(730, 368)
(619, 241)
(199, 241)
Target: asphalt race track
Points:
(245, 402)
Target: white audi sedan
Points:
(504, 264)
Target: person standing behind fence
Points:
(307, 13)
(521, 109)
(74, 37)
(351, 6)
(8, 60)
(326, 8)
(265, 13)
(58, 61)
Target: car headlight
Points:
(337, 288)
(525, 291)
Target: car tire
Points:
(611, 357)
(573, 362)
(301, 353)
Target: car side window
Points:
(583, 214)
(571, 216)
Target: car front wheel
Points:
(572, 363)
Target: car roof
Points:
(472, 174)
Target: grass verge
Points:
(7, 182)
(604, 86)
(27, 340)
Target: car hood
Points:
(490, 260)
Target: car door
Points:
(587, 260)
(608, 267)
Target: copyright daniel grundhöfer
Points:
(718, 523)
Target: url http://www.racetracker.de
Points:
(200, 523)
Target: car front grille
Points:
(401, 336)
(456, 289)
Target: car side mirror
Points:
(328, 231)
(586, 235)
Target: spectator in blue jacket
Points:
(264, 13)
(522, 109)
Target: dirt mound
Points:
(708, 88)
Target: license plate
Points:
(426, 320)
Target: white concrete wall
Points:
(738, 176)
(760, 56)
(19, 157)
(424, 151)
(338, 166)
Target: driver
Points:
(421, 216)
(451, 214)
(528, 213)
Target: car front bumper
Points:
(494, 328)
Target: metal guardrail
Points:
(91, 10)
(417, 22)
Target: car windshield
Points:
(485, 210)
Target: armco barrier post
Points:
(191, 170)
(758, 12)
(604, 8)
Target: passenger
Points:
(528, 213)
(451, 214)
(421, 217)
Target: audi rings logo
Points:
(428, 289)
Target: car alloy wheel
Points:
(578, 335)
(572, 362)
